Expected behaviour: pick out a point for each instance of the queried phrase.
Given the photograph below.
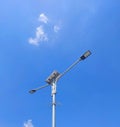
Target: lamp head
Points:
(85, 55)
(32, 91)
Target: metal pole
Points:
(53, 104)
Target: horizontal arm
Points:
(84, 56)
(41, 87)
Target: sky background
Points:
(37, 37)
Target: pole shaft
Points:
(54, 104)
(53, 112)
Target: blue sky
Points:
(40, 36)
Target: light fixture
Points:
(85, 55)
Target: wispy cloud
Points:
(56, 28)
(40, 36)
(45, 31)
(43, 18)
(28, 123)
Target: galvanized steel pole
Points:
(53, 104)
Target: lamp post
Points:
(52, 81)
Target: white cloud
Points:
(45, 30)
(43, 18)
(39, 37)
(28, 123)
(56, 28)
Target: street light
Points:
(52, 81)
